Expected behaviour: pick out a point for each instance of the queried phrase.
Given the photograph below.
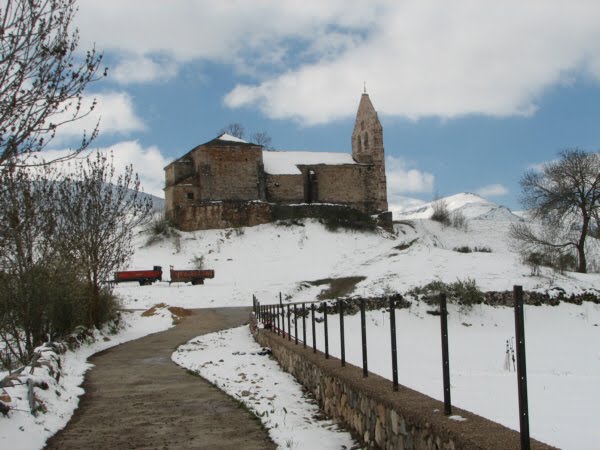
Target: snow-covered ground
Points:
(563, 342)
(234, 362)
(563, 362)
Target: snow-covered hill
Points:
(268, 259)
(472, 206)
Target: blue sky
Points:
(470, 94)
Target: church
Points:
(228, 182)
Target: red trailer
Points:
(193, 276)
(144, 277)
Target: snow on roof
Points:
(285, 163)
(228, 137)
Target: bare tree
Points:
(234, 129)
(42, 80)
(262, 138)
(98, 212)
(39, 291)
(564, 196)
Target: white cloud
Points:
(114, 110)
(398, 204)
(419, 57)
(403, 179)
(147, 162)
(492, 190)
(143, 69)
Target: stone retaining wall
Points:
(380, 417)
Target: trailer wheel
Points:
(143, 282)
(198, 281)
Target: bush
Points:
(467, 249)
(458, 220)
(463, 292)
(441, 213)
(159, 229)
(463, 249)
(555, 260)
(198, 262)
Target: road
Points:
(137, 398)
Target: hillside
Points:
(268, 259)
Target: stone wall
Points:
(381, 417)
(285, 188)
(216, 215)
(342, 184)
(229, 172)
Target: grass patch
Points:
(338, 287)
(406, 246)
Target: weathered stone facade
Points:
(204, 188)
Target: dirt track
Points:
(137, 398)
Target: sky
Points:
(471, 94)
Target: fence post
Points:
(254, 304)
(295, 324)
(314, 331)
(445, 357)
(393, 337)
(363, 332)
(304, 325)
(289, 317)
(342, 343)
(326, 330)
(277, 319)
(521, 368)
(282, 316)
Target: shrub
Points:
(441, 213)
(558, 261)
(458, 220)
(463, 249)
(464, 292)
(159, 228)
(198, 262)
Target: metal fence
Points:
(277, 317)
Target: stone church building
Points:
(228, 182)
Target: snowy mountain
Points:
(472, 206)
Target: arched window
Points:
(366, 141)
(358, 144)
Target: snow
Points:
(563, 362)
(235, 363)
(470, 205)
(562, 342)
(228, 137)
(285, 163)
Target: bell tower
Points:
(367, 148)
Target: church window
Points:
(366, 141)
(190, 196)
(358, 143)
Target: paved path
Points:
(137, 398)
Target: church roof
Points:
(285, 163)
(226, 140)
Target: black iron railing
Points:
(273, 317)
